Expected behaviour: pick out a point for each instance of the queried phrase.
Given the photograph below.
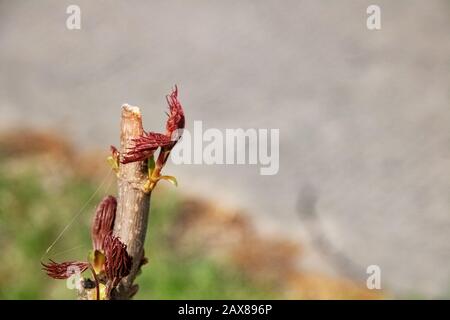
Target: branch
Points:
(133, 203)
(120, 226)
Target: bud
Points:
(145, 145)
(103, 223)
(118, 261)
(64, 270)
(114, 153)
(176, 114)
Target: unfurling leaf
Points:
(176, 119)
(64, 270)
(171, 179)
(97, 260)
(113, 163)
(144, 146)
(113, 159)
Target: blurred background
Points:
(363, 115)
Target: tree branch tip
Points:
(132, 109)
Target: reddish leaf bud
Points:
(114, 152)
(118, 261)
(65, 269)
(176, 114)
(145, 145)
(103, 223)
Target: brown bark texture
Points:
(133, 203)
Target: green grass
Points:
(33, 211)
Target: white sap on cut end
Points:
(132, 109)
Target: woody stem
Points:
(133, 203)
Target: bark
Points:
(133, 204)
